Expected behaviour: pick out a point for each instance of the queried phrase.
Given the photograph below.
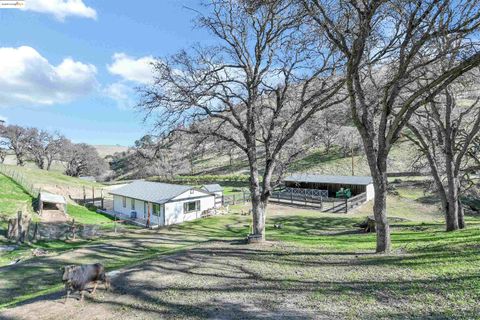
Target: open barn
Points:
(356, 184)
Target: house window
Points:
(132, 201)
(191, 206)
(124, 202)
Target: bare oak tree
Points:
(18, 140)
(389, 47)
(444, 131)
(46, 147)
(255, 89)
(81, 159)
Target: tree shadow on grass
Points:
(220, 281)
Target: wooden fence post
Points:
(101, 197)
(93, 196)
(84, 196)
(234, 199)
(305, 196)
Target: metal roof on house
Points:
(52, 198)
(156, 192)
(315, 178)
(212, 187)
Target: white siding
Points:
(139, 207)
(118, 205)
(174, 210)
(370, 192)
(191, 194)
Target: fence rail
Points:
(317, 200)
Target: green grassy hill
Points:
(52, 177)
(12, 198)
(314, 161)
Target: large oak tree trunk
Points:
(258, 205)
(380, 214)
(378, 169)
(258, 211)
(452, 195)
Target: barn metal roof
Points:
(156, 192)
(315, 178)
(52, 198)
(212, 187)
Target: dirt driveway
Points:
(220, 280)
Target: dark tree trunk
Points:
(258, 205)
(380, 214)
(378, 169)
(461, 215)
(258, 210)
(49, 164)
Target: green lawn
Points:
(323, 258)
(429, 269)
(83, 215)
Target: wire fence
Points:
(21, 180)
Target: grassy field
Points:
(44, 177)
(314, 161)
(13, 197)
(319, 265)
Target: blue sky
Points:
(72, 65)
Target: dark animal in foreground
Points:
(76, 278)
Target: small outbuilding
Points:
(161, 204)
(52, 199)
(332, 184)
(217, 190)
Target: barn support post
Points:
(305, 196)
(84, 196)
(291, 196)
(101, 198)
(93, 196)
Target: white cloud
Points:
(122, 94)
(28, 78)
(61, 8)
(136, 70)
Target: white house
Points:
(217, 190)
(161, 204)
